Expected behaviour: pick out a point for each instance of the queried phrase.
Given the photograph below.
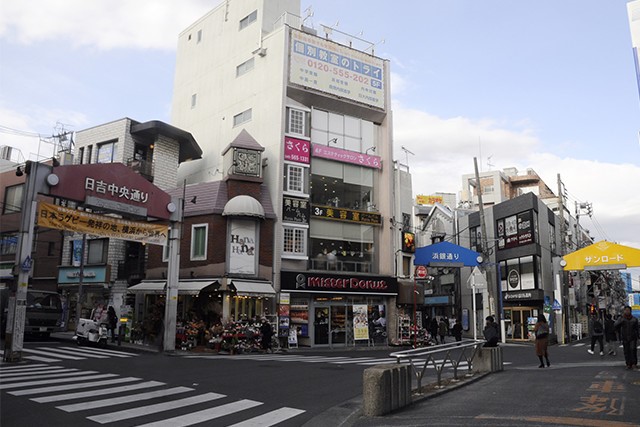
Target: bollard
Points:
(385, 389)
(488, 359)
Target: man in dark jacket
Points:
(627, 325)
(491, 332)
(610, 335)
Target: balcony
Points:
(143, 167)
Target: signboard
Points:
(346, 156)
(336, 283)
(332, 68)
(90, 274)
(438, 300)
(603, 255)
(297, 150)
(53, 216)
(111, 182)
(360, 322)
(242, 247)
(515, 230)
(421, 272)
(428, 200)
(347, 215)
(535, 294)
(295, 210)
(408, 242)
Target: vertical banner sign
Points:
(284, 315)
(242, 247)
(360, 322)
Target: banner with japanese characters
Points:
(61, 218)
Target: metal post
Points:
(173, 277)
(80, 279)
(475, 322)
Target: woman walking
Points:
(541, 331)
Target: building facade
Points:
(321, 111)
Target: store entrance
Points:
(330, 325)
(517, 322)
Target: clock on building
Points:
(247, 162)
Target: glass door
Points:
(321, 326)
(338, 324)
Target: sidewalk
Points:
(69, 336)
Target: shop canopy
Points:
(446, 254)
(253, 289)
(184, 287)
(603, 255)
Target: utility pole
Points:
(560, 277)
(483, 228)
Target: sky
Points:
(542, 84)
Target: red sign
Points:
(110, 182)
(346, 156)
(421, 272)
(296, 150)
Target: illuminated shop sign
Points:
(329, 67)
(296, 210)
(334, 283)
(348, 215)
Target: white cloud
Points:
(103, 24)
(444, 149)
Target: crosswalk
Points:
(56, 354)
(106, 398)
(333, 360)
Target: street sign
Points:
(27, 264)
(477, 279)
(556, 305)
(421, 272)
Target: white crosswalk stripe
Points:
(57, 354)
(96, 398)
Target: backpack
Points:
(597, 327)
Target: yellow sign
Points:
(53, 216)
(603, 255)
(360, 322)
(421, 199)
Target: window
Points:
(295, 241)
(243, 117)
(342, 185)
(199, 39)
(9, 244)
(165, 253)
(245, 67)
(295, 180)
(51, 249)
(297, 122)
(248, 20)
(350, 133)
(199, 242)
(13, 199)
(107, 152)
(194, 99)
(89, 154)
(97, 253)
(81, 155)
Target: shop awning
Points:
(253, 289)
(159, 287)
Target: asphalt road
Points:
(304, 386)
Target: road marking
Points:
(26, 367)
(55, 351)
(102, 351)
(270, 418)
(123, 399)
(354, 360)
(42, 371)
(61, 380)
(42, 359)
(50, 377)
(50, 389)
(154, 409)
(205, 415)
(45, 353)
(90, 393)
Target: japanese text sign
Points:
(346, 156)
(296, 150)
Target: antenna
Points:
(308, 13)
(407, 152)
(489, 164)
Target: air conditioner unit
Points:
(261, 51)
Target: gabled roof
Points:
(244, 140)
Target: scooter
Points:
(90, 332)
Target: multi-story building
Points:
(109, 266)
(319, 105)
(633, 9)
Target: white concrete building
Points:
(321, 110)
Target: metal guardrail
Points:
(454, 354)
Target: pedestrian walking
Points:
(610, 335)
(628, 327)
(457, 330)
(442, 329)
(267, 333)
(433, 329)
(112, 321)
(541, 332)
(596, 330)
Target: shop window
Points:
(297, 122)
(241, 118)
(342, 185)
(341, 255)
(245, 67)
(520, 273)
(97, 251)
(295, 241)
(107, 152)
(9, 244)
(295, 180)
(248, 20)
(13, 199)
(199, 242)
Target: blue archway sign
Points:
(446, 254)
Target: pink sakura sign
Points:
(296, 150)
(346, 156)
